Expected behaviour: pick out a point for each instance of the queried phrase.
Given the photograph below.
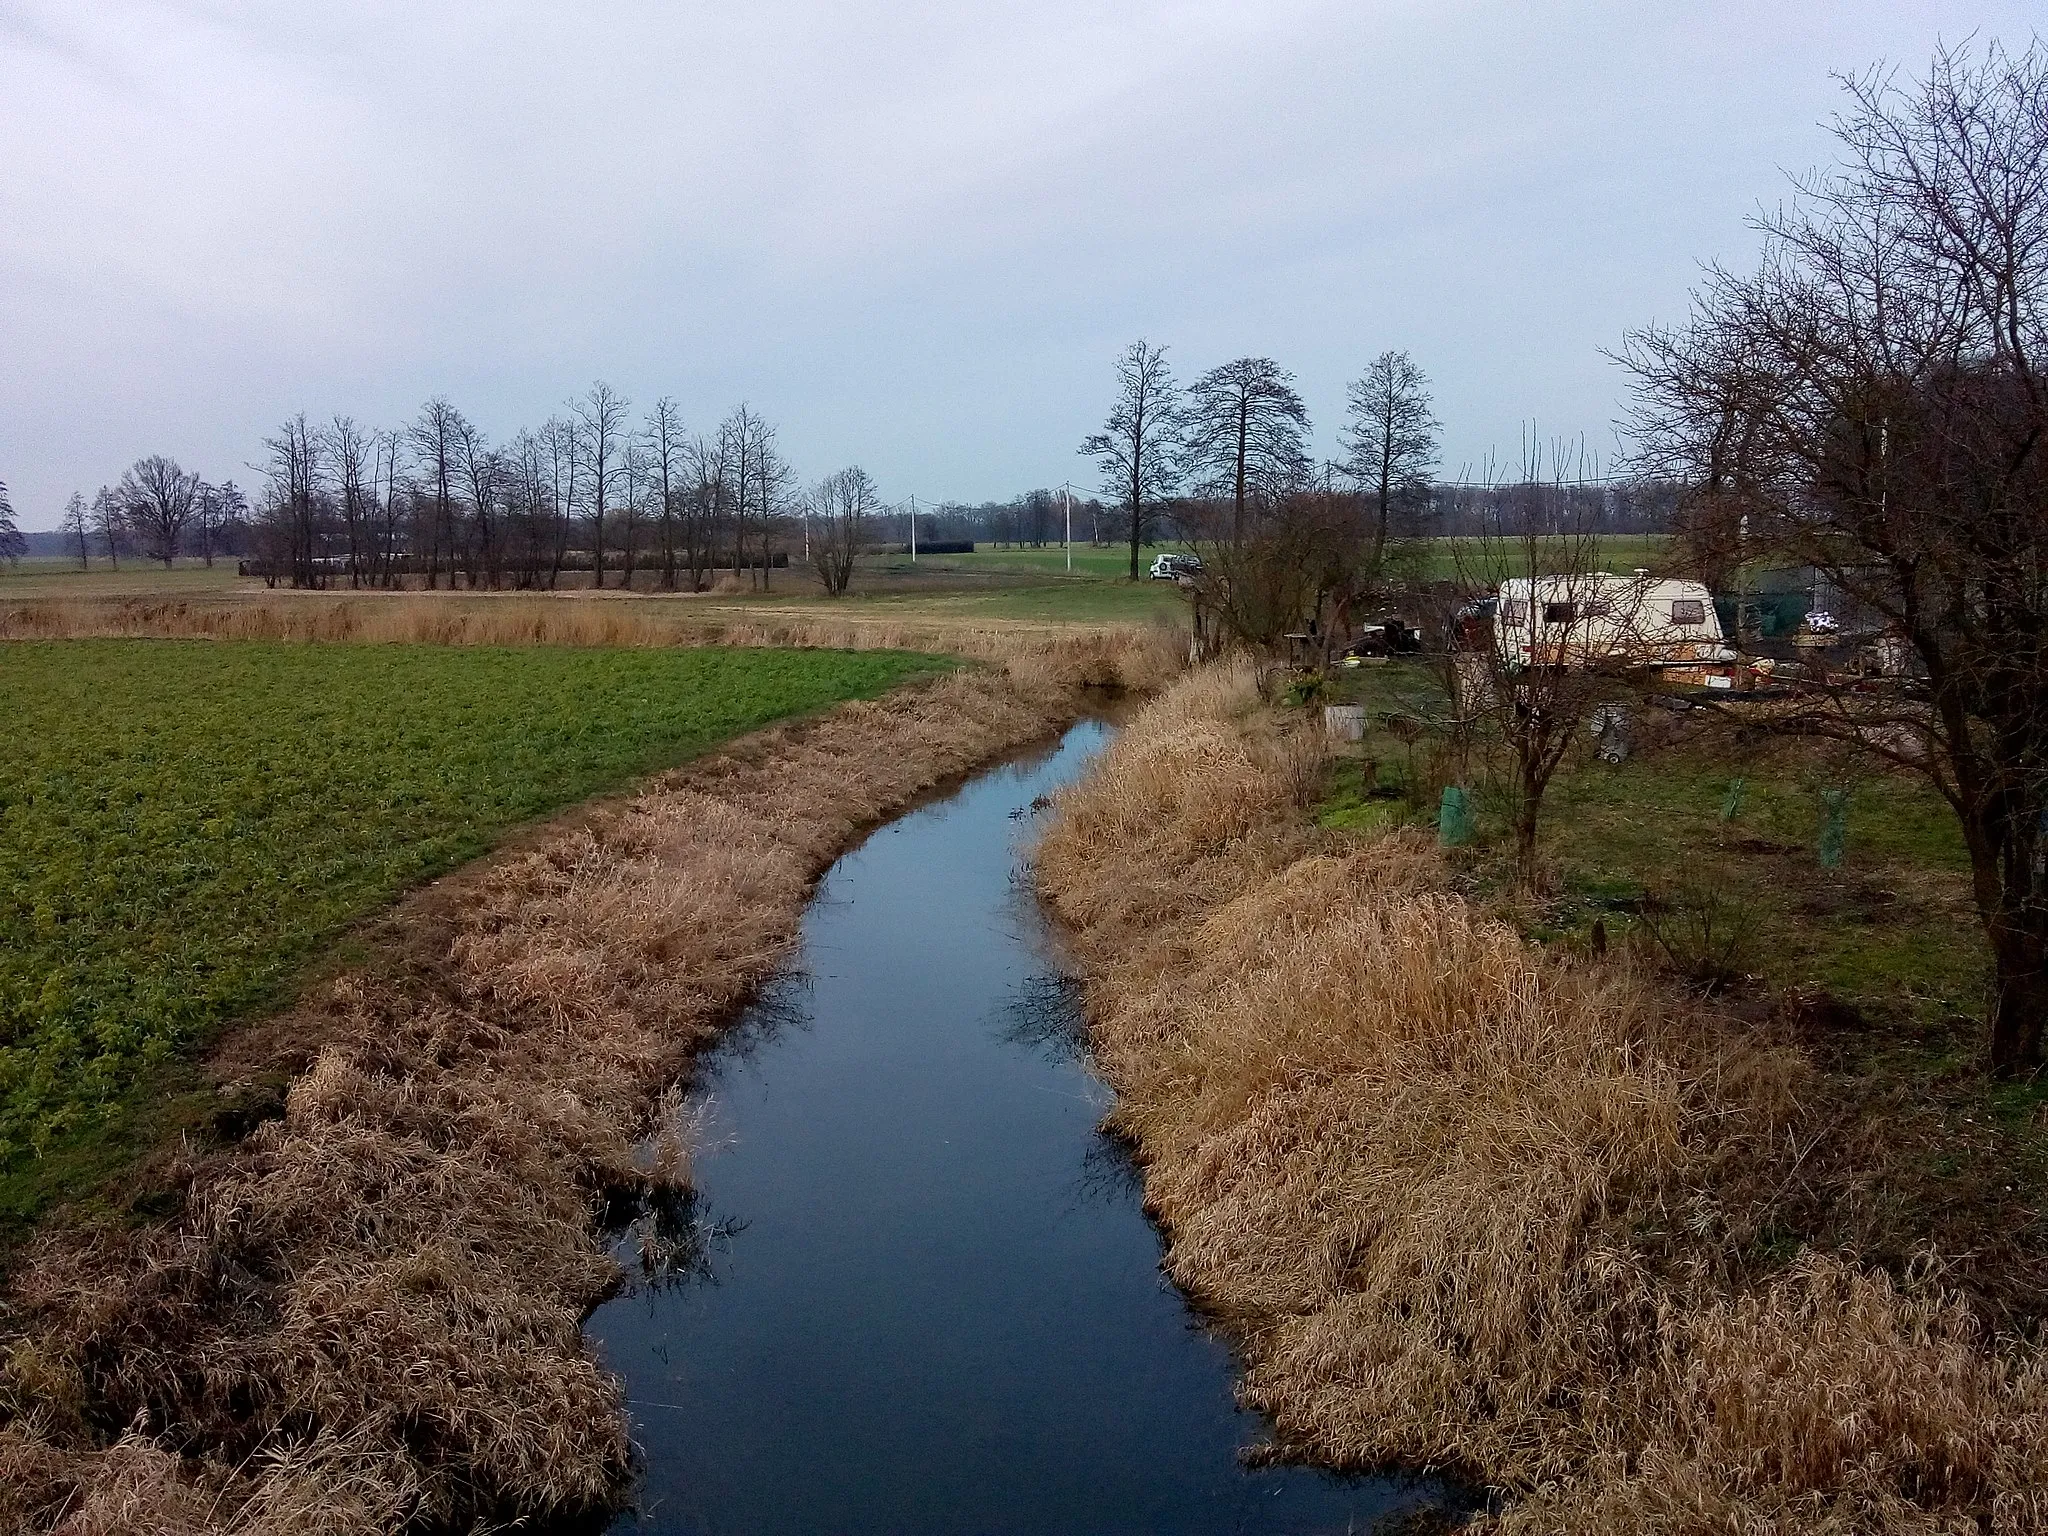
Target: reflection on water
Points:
(915, 1290)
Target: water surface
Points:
(915, 1291)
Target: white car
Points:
(1172, 567)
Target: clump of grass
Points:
(1470, 1206)
(366, 1315)
(1703, 932)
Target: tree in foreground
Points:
(1389, 443)
(1875, 395)
(839, 513)
(1242, 435)
(158, 498)
(1536, 673)
(1137, 447)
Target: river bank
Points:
(913, 1291)
(1469, 1207)
(366, 1312)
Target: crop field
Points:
(183, 823)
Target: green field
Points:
(45, 577)
(184, 823)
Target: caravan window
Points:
(1560, 613)
(1511, 610)
(1688, 610)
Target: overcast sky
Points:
(915, 237)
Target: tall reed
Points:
(1469, 1207)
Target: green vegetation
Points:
(1110, 562)
(1643, 844)
(182, 824)
(1450, 559)
(1880, 972)
(41, 576)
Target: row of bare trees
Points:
(158, 510)
(1236, 441)
(593, 497)
(592, 491)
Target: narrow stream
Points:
(915, 1290)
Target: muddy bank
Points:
(366, 1314)
(1466, 1206)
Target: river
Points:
(915, 1290)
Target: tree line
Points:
(595, 496)
(1231, 450)
(1225, 460)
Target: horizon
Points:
(914, 241)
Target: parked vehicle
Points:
(1393, 636)
(1591, 618)
(1172, 567)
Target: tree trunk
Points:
(1528, 809)
(2019, 946)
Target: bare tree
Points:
(774, 477)
(75, 529)
(1390, 443)
(666, 444)
(1242, 433)
(1879, 386)
(637, 481)
(704, 511)
(839, 511)
(388, 448)
(483, 474)
(436, 442)
(106, 523)
(1530, 680)
(1136, 448)
(529, 510)
(350, 457)
(293, 511)
(12, 545)
(558, 436)
(1271, 574)
(740, 441)
(207, 515)
(231, 527)
(601, 438)
(157, 499)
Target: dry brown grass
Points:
(579, 618)
(1471, 1208)
(367, 1313)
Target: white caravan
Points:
(1590, 618)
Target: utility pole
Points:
(1067, 491)
(913, 530)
